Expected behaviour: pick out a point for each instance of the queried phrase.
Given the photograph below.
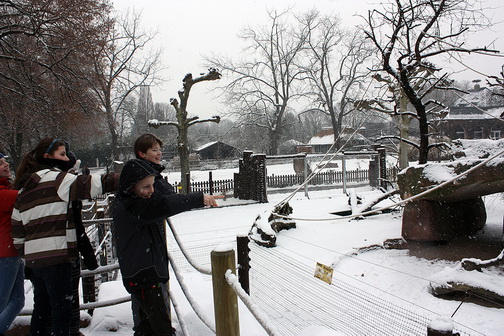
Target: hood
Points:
(132, 172)
(157, 167)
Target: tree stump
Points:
(434, 221)
(454, 210)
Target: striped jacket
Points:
(43, 232)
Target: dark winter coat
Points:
(140, 243)
(161, 187)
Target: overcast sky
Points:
(189, 29)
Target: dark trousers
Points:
(52, 300)
(75, 320)
(153, 316)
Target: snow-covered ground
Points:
(399, 275)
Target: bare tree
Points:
(335, 66)
(122, 65)
(265, 85)
(408, 36)
(184, 121)
(44, 62)
(497, 82)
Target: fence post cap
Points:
(441, 324)
(222, 248)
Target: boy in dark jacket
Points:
(141, 244)
(148, 147)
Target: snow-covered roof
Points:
(483, 98)
(206, 145)
(326, 137)
(322, 140)
(492, 113)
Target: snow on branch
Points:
(156, 123)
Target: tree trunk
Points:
(273, 146)
(404, 124)
(113, 132)
(423, 123)
(424, 134)
(336, 125)
(183, 152)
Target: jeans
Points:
(11, 290)
(52, 300)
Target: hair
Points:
(30, 161)
(144, 142)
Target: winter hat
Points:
(133, 171)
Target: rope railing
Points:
(89, 305)
(99, 270)
(196, 307)
(199, 268)
(88, 222)
(180, 318)
(263, 320)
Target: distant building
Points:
(289, 147)
(218, 150)
(476, 115)
(322, 141)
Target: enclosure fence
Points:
(342, 305)
(278, 281)
(329, 178)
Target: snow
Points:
(402, 276)
(443, 323)
(438, 173)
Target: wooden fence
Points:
(283, 181)
(213, 187)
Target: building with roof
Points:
(323, 140)
(476, 115)
(217, 150)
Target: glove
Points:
(72, 162)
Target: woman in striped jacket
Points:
(44, 231)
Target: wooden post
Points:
(441, 326)
(305, 174)
(383, 166)
(225, 299)
(343, 167)
(88, 291)
(188, 183)
(243, 261)
(210, 182)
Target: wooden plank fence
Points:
(283, 181)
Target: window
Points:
(495, 133)
(460, 133)
(478, 133)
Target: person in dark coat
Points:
(149, 147)
(141, 244)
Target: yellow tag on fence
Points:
(324, 273)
